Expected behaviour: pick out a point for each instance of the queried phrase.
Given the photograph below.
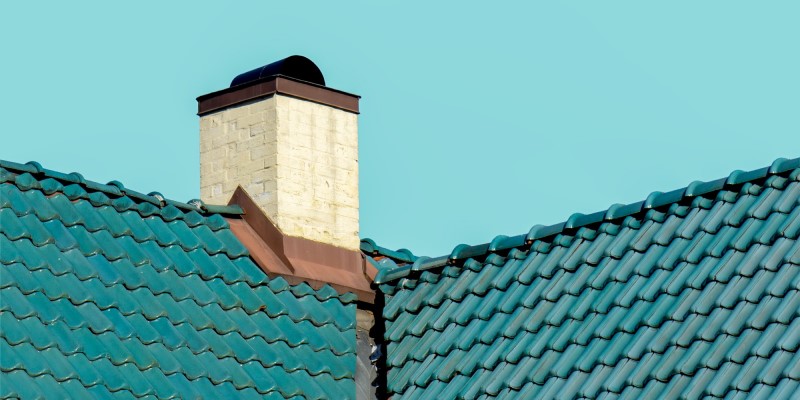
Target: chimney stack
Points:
(291, 143)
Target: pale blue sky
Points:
(476, 120)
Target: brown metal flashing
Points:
(297, 259)
(276, 84)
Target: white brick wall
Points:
(296, 158)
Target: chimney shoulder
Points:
(293, 146)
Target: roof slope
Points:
(691, 293)
(108, 292)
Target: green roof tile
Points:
(108, 292)
(693, 292)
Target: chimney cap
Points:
(297, 67)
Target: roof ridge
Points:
(116, 188)
(615, 212)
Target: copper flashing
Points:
(271, 85)
(297, 259)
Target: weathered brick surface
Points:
(297, 159)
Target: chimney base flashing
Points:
(297, 259)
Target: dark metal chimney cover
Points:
(297, 67)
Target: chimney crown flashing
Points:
(276, 84)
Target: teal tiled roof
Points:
(691, 293)
(107, 292)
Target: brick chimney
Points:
(291, 143)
